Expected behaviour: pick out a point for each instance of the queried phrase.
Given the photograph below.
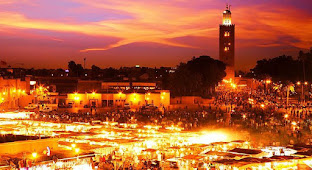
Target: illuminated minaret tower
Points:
(227, 43)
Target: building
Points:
(133, 100)
(14, 93)
(129, 85)
(100, 86)
(99, 94)
(227, 44)
(62, 85)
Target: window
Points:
(104, 103)
(226, 33)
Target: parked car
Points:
(46, 109)
(31, 106)
(126, 106)
(149, 107)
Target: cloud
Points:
(165, 21)
(269, 25)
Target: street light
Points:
(233, 85)
(266, 82)
(286, 116)
(77, 150)
(34, 155)
(302, 89)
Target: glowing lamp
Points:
(34, 155)
(32, 83)
(233, 85)
(134, 97)
(77, 150)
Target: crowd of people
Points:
(256, 112)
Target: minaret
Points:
(227, 43)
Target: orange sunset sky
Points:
(114, 33)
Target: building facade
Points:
(14, 93)
(134, 95)
(133, 100)
(227, 44)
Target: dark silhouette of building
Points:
(227, 43)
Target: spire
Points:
(227, 15)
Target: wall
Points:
(12, 91)
(135, 100)
(88, 86)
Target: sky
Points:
(153, 33)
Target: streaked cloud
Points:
(258, 23)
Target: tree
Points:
(72, 66)
(283, 68)
(75, 69)
(197, 77)
(305, 60)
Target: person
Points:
(130, 167)
(110, 158)
(282, 152)
(28, 163)
(103, 159)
